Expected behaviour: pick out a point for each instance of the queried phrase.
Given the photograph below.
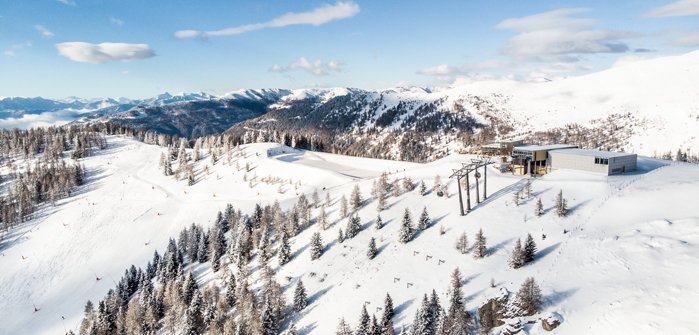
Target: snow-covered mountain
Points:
(647, 106)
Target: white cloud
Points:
(116, 21)
(45, 33)
(67, 2)
(557, 36)
(316, 68)
(9, 53)
(677, 8)
(103, 52)
(315, 17)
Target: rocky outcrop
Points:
(551, 321)
(492, 313)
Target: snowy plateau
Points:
(623, 261)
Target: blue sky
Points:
(99, 48)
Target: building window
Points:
(601, 161)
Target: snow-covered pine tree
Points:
(516, 196)
(457, 319)
(218, 249)
(561, 204)
(328, 202)
(480, 249)
(269, 322)
(387, 317)
(539, 209)
(292, 330)
(356, 198)
(462, 243)
(406, 230)
(364, 326)
(408, 184)
(230, 295)
(529, 249)
(517, 257)
(371, 252)
(375, 328)
(343, 328)
(300, 297)
(379, 222)
(284, 253)
(316, 246)
(528, 298)
(423, 188)
(424, 222)
(422, 324)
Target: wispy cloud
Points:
(315, 17)
(104, 52)
(67, 2)
(677, 8)
(45, 33)
(316, 67)
(13, 49)
(558, 36)
(115, 21)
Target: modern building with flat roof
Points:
(605, 162)
(534, 159)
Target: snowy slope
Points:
(627, 265)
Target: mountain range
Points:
(646, 106)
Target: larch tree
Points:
(528, 299)
(462, 243)
(480, 249)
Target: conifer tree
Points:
(371, 252)
(343, 328)
(300, 297)
(284, 254)
(528, 298)
(364, 325)
(457, 319)
(230, 296)
(517, 257)
(480, 249)
(269, 322)
(462, 243)
(516, 196)
(561, 205)
(379, 222)
(375, 328)
(388, 312)
(424, 222)
(322, 218)
(353, 226)
(218, 249)
(344, 209)
(539, 209)
(529, 249)
(356, 198)
(340, 236)
(407, 230)
(423, 188)
(316, 246)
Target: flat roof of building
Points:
(594, 153)
(544, 147)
